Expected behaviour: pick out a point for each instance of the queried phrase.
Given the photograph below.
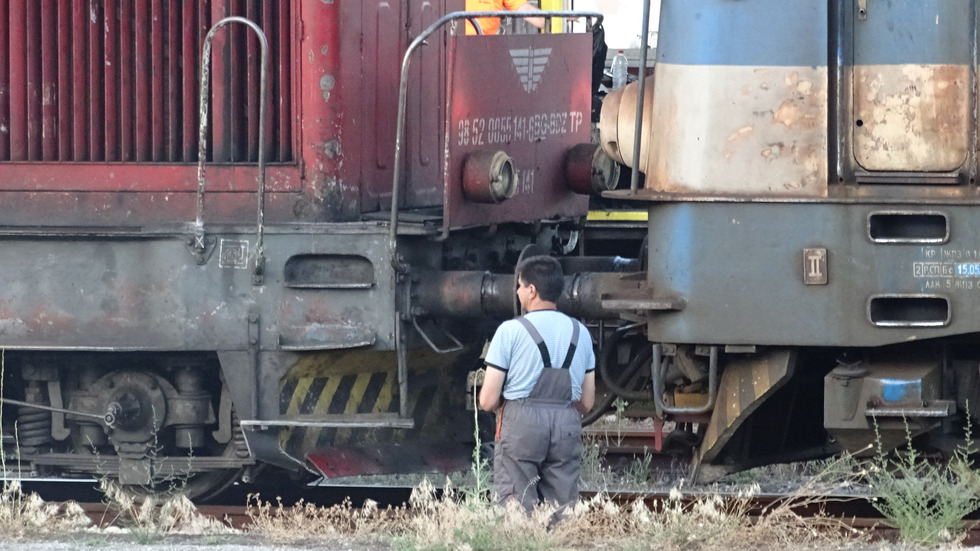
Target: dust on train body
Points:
(169, 324)
(810, 183)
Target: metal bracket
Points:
(862, 10)
(58, 429)
(201, 247)
(458, 345)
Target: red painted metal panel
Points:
(96, 64)
(387, 62)
(116, 81)
(157, 95)
(80, 78)
(173, 106)
(33, 47)
(4, 83)
(17, 56)
(143, 97)
(283, 90)
(426, 105)
(110, 47)
(331, 95)
(235, 82)
(127, 78)
(270, 28)
(526, 95)
(220, 137)
(49, 80)
(190, 54)
(252, 65)
(129, 177)
(64, 83)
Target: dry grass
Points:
(305, 522)
(149, 518)
(27, 515)
(460, 520)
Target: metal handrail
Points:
(403, 93)
(657, 372)
(198, 244)
(640, 91)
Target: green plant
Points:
(482, 472)
(638, 472)
(926, 501)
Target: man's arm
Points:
(491, 394)
(536, 21)
(585, 403)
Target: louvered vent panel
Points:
(117, 80)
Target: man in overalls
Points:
(540, 380)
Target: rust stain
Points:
(911, 117)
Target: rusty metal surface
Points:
(526, 95)
(911, 87)
(911, 117)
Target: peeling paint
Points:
(911, 117)
(326, 84)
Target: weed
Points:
(638, 472)
(482, 472)
(27, 514)
(150, 518)
(925, 501)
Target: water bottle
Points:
(619, 70)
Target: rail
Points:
(199, 246)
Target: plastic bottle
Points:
(619, 70)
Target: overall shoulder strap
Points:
(545, 357)
(573, 345)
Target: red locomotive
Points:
(295, 298)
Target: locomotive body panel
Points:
(749, 273)
(145, 293)
(731, 99)
(912, 87)
(525, 96)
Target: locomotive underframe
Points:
(899, 281)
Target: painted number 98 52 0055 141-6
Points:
(479, 131)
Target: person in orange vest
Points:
(489, 25)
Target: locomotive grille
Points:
(117, 80)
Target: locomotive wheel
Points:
(197, 487)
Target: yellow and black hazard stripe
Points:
(357, 382)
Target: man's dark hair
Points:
(544, 272)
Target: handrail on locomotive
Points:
(198, 245)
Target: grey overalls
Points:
(539, 449)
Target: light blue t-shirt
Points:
(513, 350)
